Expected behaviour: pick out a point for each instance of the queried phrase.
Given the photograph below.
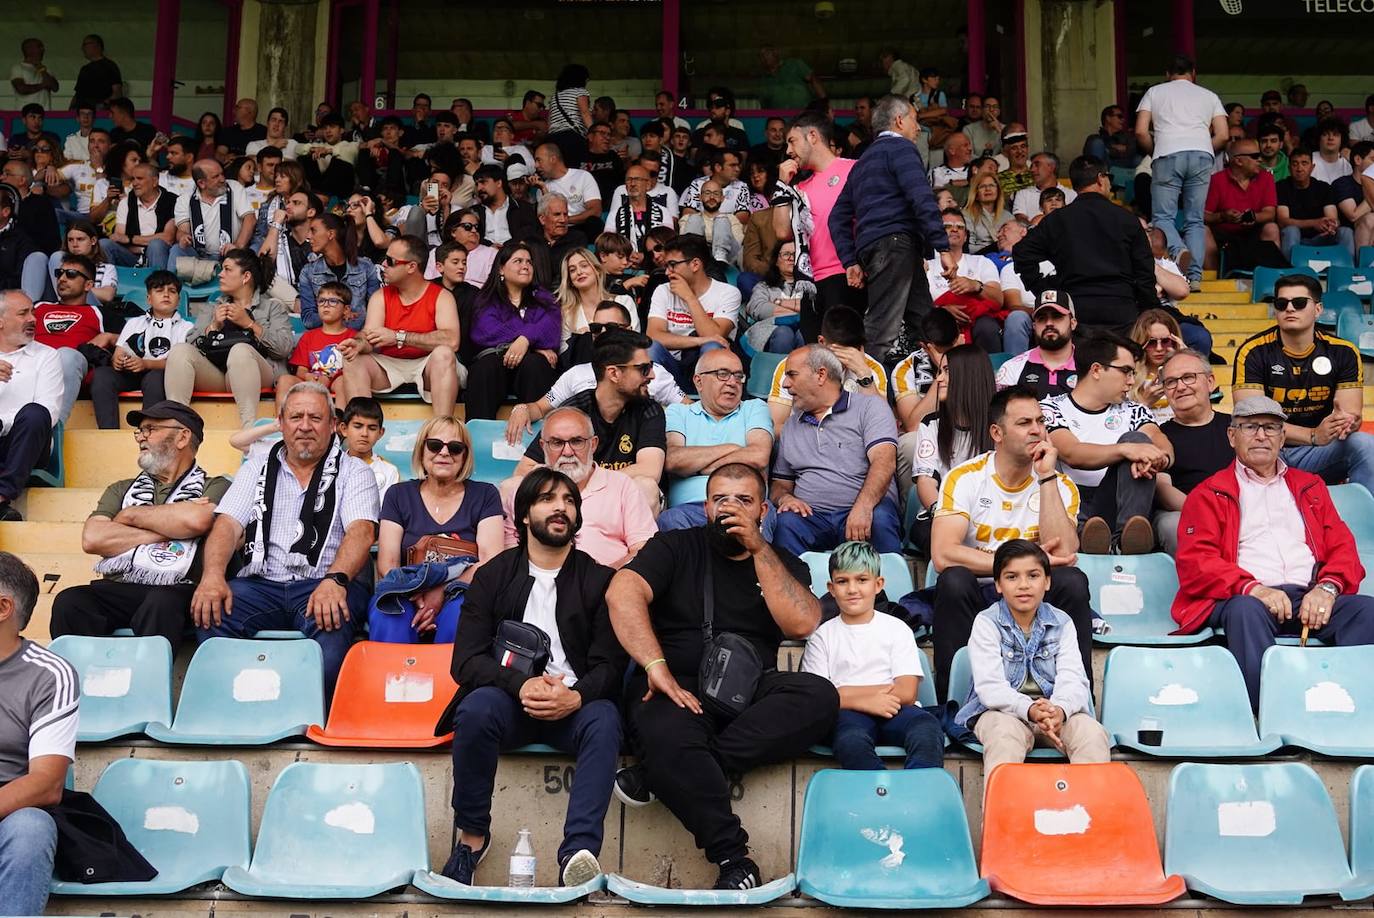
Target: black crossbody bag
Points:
(730, 666)
(522, 647)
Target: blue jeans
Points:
(1182, 176)
(1290, 236)
(154, 254)
(682, 367)
(33, 276)
(24, 447)
(1351, 458)
(74, 367)
(784, 340)
(397, 629)
(690, 516)
(1016, 333)
(1197, 337)
(823, 530)
(489, 721)
(913, 728)
(28, 842)
(266, 605)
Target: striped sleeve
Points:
(777, 395)
(1248, 372)
(56, 695)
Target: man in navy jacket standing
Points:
(885, 224)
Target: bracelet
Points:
(652, 663)
(1314, 437)
(1048, 478)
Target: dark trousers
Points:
(97, 609)
(959, 597)
(687, 756)
(1251, 628)
(913, 728)
(107, 383)
(489, 721)
(831, 292)
(987, 334)
(1121, 495)
(898, 294)
(23, 448)
(490, 381)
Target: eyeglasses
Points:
(144, 431)
(1245, 156)
(69, 273)
(1185, 379)
(1127, 371)
(644, 368)
(455, 447)
(391, 262)
(467, 227)
(673, 263)
(1161, 342)
(1296, 303)
(1268, 428)
(557, 445)
(725, 375)
(597, 328)
(42, 149)
(329, 301)
(787, 256)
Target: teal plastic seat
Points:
(1365, 256)
(126, 683)
(887, 840)
(489, 440)
(1361, 834)
(132, 282)
(1355, 506)
(1334, 304)
(645, 894)
(1358, 329)
(1195, 695)
(999, 358)
(1359, 281)
(53, 474)
(1133, 593)
(396, 446)
(1254, 834)
(896, 574)
(761, 370)
(1263, 284)
(961, 684)
(337, 832)
(191, 820)
(1321, 257)
(441, 887)
(1319, 698)
(247, 693)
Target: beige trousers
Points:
(1007, 738)
(247, 375)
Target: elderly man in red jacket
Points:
(1242, 564)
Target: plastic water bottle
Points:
(522, 861)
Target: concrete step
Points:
(60, 505)
(55, 571)
(221, 413)
(94, 458)
(1256, 311)
(1231, 295)
(21, 538)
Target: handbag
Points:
(522, 647)
(730, 667)
(440, 548)
(217, 344)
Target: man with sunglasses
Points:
(1321, 390)
(721, 103)
(1241, 212)
(72, 326)
(1262, 551)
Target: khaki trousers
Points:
(1007, 738)
(247, 375)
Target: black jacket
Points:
(500, 590)
(1100, 256)
(15, 246)
(522, 221)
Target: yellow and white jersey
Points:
(996, 512)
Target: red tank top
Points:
(417, 317)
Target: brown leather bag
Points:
(439, 548)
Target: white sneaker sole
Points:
(580, 868)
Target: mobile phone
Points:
(496, 147)
(431, 189)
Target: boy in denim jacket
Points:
(1029, 687)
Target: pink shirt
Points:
(1273, 545)
(821, 190)
(614, 516)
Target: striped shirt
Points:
(39, 692)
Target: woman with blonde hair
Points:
(986, 212)
(581, 290)
(441, 500)
(1158, 335)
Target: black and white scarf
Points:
(317, 517)
(635, 228)
(161, 563)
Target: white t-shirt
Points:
(514, 149)
(76, 148)
(540, 611)
(579, 378)
(943, 176)
(212, 237)
(997, 513)
(29, 74)
(288, 149)
(927, 461)
(1010, 280)
(257, 196)
(913, 376)
(1098, 427)
(1181, 114)
(1329, 172)
(734, 199)
(148, 336)
(721, 301)
(578, 186)
(147, 216)
(1361, 129)
(974, 267)
(177, 185)
(386, 473)
(88, 185)
(874, 653)
(1027, 200)
(665, 196)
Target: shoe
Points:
(10, 515)
(740, 873)
(632, 786)
(1194, 285)
(1137, 537)
(580, 868)
(462, 863)
(1096, 537)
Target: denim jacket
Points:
(360, 277)
(1000, 654)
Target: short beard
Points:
(1057, 346)
(577, 470)
(539, 531)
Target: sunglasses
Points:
(467, 227)
(597, 328)
(1296, 303)
(644, 368)
(42, 149)
(435, 446)
(1161, 342)
(69, 274)
(391, 262)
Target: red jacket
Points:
(1209, 538)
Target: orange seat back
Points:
(1060, 834)
(389, 696)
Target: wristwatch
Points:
(338, 577)
(1330, 588)
(400, 339)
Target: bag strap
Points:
(708, 605)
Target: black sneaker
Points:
(10, 515)
(740, 874)
(462, 863)
(632, 786)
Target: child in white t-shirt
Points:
(872, 658)
(361, 428)
(140, 353)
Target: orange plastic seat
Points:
(1060, 834)
(389, 696)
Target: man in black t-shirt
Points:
(1197, 433)
(99, 79)
(1307, 210)
(657, 606)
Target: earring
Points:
(502, 278)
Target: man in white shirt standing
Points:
(214, 219)
(1189, 125)
(30, 77)
(76, 145)
(552, 176)
(30, 398)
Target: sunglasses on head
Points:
(1296, 303)
(455, 447)
(69, 273)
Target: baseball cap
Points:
(517, 171)
(1259, 406)
(1058, 300)
(169, 410)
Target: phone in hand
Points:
(432, 190)
(496, 146)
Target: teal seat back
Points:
(887, 839)
(126, 683)
(396, 446)
(1365, 256)
(1133, 594)
(1355, 506)
(494, 460)
(1359, 281)
(1357, 328)
(1320, 258)
(1263, 285)
(1319, 698)
(761, 370)
(896, 574)
(1362, 822)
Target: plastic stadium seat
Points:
(1319, 698)
(1359, 281)
(1355, 506)
(494, 459)
(887, 839)
(1362, 833)
(1262, 289)
(440, 886)
(1072, 835)
(961, 683)
(1195, 695)
(54, 473)
(1320, 257)
(1335, 303)
(645, 894)
(761, 370)
(126, 683)
(247, 693)
(337, 832)
(1133, 594)
(389, 696)
(132, 282)
(1365, 256)
(396, 446)
(1254, 834)
(896, 574)
(191, 820)
(1358, 329)
(999, 358)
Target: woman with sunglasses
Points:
(1158, 335)
(48, 162)
(517, 327)
(465, 228)
(441, 500)
(370, 226)
(580, 294)
(334, 251)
